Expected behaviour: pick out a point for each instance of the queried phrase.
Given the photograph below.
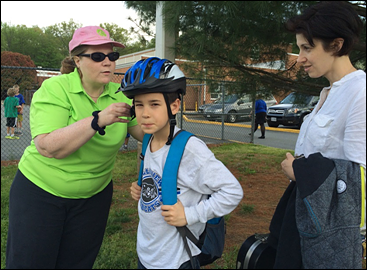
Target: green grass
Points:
(118, 247)
(247, 208)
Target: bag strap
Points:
(169, 184)
(170, 170)
(144, 146)
(183, 231)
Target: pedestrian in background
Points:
(11, 105)
(61, 195)
(260, 115)
(18, 95)
(126, 142)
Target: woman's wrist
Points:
(95, 125)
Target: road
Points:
(281, 137)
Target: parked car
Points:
(235, 107)
(204, 106)
(291, 110)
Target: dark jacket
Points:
(316, 223)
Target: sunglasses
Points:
(99, 57)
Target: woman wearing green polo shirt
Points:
(61, 195)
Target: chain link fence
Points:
(191, 117)
(213, 118)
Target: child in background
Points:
(126, 141)
(11, 105)
(20, 110)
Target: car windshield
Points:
(297, 98)
(230, 99)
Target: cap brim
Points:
(100, 42)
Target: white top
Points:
(338, 129)
(159, 245)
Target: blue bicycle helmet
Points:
(154, 75)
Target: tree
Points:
(42, 48)
(25, 78)
(48, 46)
(146, 13)
(123, 36)
(62, 33)
(228, 37)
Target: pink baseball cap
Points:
(91, 35)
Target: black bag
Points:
(211, 241)
(256, 253)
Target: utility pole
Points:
(164, 48)
(164, 41)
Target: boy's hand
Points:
(135, 191)
(174, 214)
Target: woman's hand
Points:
(113, 113)
(64, 141)
(135, 191)
(287, 166)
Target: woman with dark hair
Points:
(336, 128)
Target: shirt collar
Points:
(77, 87)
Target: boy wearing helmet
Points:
(156, 86)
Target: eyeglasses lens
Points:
(99, 57)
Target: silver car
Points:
(234, 108)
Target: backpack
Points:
(211, 241)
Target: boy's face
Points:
(151, 112)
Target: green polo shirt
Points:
(59, 102)
(10, 104)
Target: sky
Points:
(47, 13)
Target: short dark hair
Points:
(173, 96)
(327, 21)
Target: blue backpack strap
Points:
(142, 154)
(170, 171)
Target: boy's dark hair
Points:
(327, 21)
(173, 96)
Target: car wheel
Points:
(231, 118)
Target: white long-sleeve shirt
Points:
(159, 245)
(337, 126)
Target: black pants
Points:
(260, 119)
(46, 231)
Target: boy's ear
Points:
(175, 106)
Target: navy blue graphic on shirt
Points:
(151, 192)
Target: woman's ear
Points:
(175, 106)
(337, 44)
(76, 61)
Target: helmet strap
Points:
(132, 110)
(172, 120)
